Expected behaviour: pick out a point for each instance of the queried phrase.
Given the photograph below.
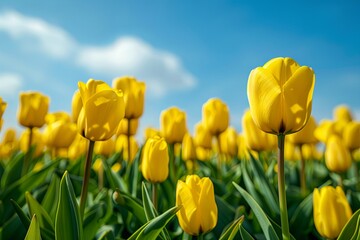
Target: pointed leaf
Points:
(150, 211)
(42, 216)
(50, 200)
(232, 230)
(351, 229)
(34, 230)
(244, 234)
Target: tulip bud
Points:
(103, 108)
(215, 116)
(342, 114)
(337, 156)
(331, 211)
(280, 95)
(188, 148)
(173, 125)
(203, 137)
(228, 142)
(36, 140)
(78, 147)
(134, 92)
(151, 132)
(305, 135)
(351, 135)
(105, 148)
(198, 213)
(76, 106)
(2, 110)
(121, 145)
(32, 109)
(325, 129)
(123, 127)
(155, 160)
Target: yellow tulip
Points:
(134, 92)
(2, 110)
(105, 148)
(32, 109)
(342, 113)
(202, 137)
(309, 151)
(305, 135)
(254, 138)
(173, 125)
(337, 156)
(331, 211)
(9, 136)
(123, 127)
(324, 130)
(76, 106)
(116, 167)
(151, 132)
(103, 108)
(121, 145)
(291, 152)
(203, 154)
(188, 148)
(228, 142)
(280, 95)
(9, 143)
(199, 213)
(155, 160)
(215, 116)
(351, 135)
(78, 147)
(36, 140)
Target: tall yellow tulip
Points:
(202, 137)
(188, 148)
(280, 95)
(331, 211)
(103, 108)
(351, 135)
(2, 110)
(32, 109)
(173, 125)
(337, 156)
(134, 92)
(215, 116)
(228, 142)
(199, 213)
(76, 106)
(155, 160)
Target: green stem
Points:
(172, 164)
(356, 170)
(281, 186)
(219, 163)
(128, 141)
(28, 153)
(85, 184)
(302, 171)
(154, 195)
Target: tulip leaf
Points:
(33, 232)
(153, 228)
(264, 222)
(298, 226)
(226, 214)
(351, 229)
(244, 234)
(51, 197)
(42, 216)
(12, 171)
(232, 230)
(68, 224)
(150, 211)
(22, 215)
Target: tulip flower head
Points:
(215, 116)
(103, 109)
(228, 142)
(121, 145)
(188, 148)
(105, 148)
(342, 113)
(199, 213)
(280, 95)
(351, 135)
(202, 137)
(32, 109)
(2, 110)
(331, 211)
(123, 127)
(76, 105)
(337, 156)
(173, 124)
(305, 135)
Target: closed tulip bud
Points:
(2, 110)
(342, 114)
(123, 127)
(202, 137)
(324, 130)
(337, 156)
(280, 95)
(173, 125)
(121, 145)
(33, 108)
(331, 211)
(228, 142)
(199, 213)
(155, 160)
(134, 92)
(105, 148)
(76, 106)
(9, 136)
(188, 148)
(291, 152)
(254, 138)
(351, 135)
(203, 154)
(215, 116)
(305, 135)
(60, 134)
(78, 147)
(57, 116)
(151, 132)
(36, 140)
(309, 151)
(103, 109)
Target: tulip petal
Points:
(207, 206)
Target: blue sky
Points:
(186, 51)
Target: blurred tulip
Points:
(103, 108)
(228, 142)
(105, 148)
(36, 140)
(199, 212)
(342, 113)
(121, 145)
(331, 211)
(2, 110)
(78, 147)
(280, 95)
(337, 156)
(123, 127)
(116, 167)
(32, 109)
(203, 154)
(324, 130)
(151, 132)
(9, 136)
(215, 116)
(242, 149)
(57, 116)
(254, 138)
(188, 148)
(76, 106)
(134, 92)
(173, 125)
(351, 135)
(98, 165)
(291, 152)
(155, 160)
(309, 151)
(202, 137)
(9, 143)
(305, 135)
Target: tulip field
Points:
(85, 175)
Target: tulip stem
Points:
(128, 142)
(172, 164)
(356, 170)
(281, 189)
(302, 172)
(154, 195)
(85, 184)
(28, 153)
(219, 163)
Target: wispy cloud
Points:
(162, 70)
(10, 84)
(36, 32)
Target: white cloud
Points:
(46, 37)
(10, 84)
(161, 70)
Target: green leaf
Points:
(226, 214)
(152, 229)
(42, 216)
(264, 222)
(50, 200)
(298, 226)
(244, 234)
(12, 171)
(22, 215)
(150, 211)
(351, 229)
(232, 230)
(68, 224)
(34, 230)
